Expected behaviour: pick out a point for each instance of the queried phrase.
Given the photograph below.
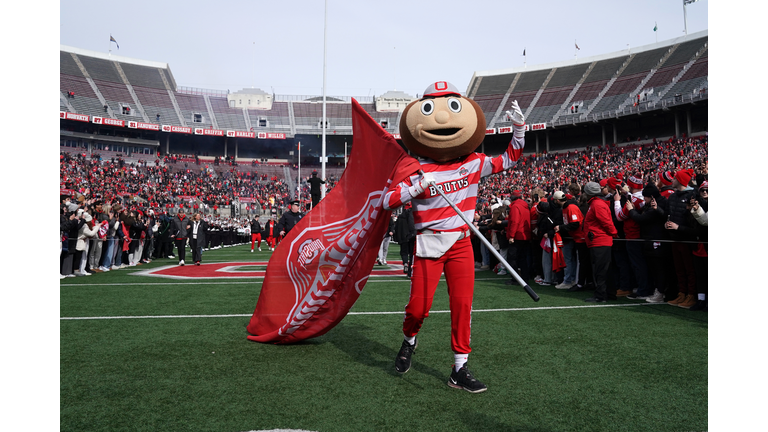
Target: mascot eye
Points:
(428, 107)
(454, 105)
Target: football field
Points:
(159, 347)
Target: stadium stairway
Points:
(607, 87)
(645, 80)
(138, 105)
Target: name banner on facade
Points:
(270, 135)
(176, 129)
(71, 116)
(146, 126)
(210, 132)
(108, 121)
(240, 134)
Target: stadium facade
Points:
(117, 105)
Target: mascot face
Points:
(442, 125)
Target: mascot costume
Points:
(322, 265)
(445, 128)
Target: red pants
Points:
(271, 241)
(254, 238)
(459, 267)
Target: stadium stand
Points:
(582, 92)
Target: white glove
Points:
(518, 119)
(426, 180)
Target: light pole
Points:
(325, 121)
(685, 13)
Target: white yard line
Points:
(255, 281)
(366, 313)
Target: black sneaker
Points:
(403, 359)
(463, 379)
(595, 300)
(701, 305)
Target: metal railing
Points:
(201, 91)
(304, 98)
(630, 110)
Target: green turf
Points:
(634, 368)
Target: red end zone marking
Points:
(230, 270)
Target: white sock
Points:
(702, 296)
(459, 361)
(411, 340)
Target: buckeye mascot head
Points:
(442, 125)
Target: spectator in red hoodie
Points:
(599, 231)
(519, 236)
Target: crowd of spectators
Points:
(169, 186)
(617, 220)
(99, 237)
(613, 221)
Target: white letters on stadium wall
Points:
(534, 127)
(268, 135)
(140, 125)
(108, 121)
(213, 132)
(70, 116)
(177, 129)
(240, 134)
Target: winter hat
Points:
(603, 183)
(517, 194)
(592, 189)
(650, 190)
(666, 178)
(542, 207)
(704, 185)
(613, 183)
(684, 176)
(635, 181)
(87, 217)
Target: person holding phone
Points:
(651, 218)
(681, 229)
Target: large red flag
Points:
(320, 268)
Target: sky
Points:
(371, 47)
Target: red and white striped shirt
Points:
(458, 180)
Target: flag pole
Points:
(488, 245)
(298, 185)
(525, 58)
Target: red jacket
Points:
(598, 221)
(519, 221)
